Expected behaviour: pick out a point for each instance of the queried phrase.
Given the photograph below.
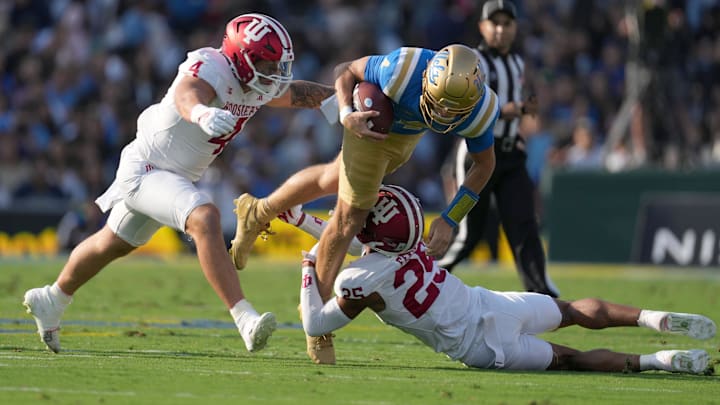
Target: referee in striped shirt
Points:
(510, 183)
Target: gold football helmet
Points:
(452, 86)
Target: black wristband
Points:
(523, 111)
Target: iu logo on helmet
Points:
(255, 31)
(384, 211)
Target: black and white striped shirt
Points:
(504, 74)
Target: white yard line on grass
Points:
(66, 391)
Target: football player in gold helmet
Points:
(439, 90)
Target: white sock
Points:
(661, 360)
(310, 225)
(651, 319)
(59, 296)
(241, 312)
(651, 362)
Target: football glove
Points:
(213, 121)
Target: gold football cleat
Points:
(249, 227)
(321, 349)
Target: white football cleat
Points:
(684, 361)
(259, 331)
(47, 315)
(695, 326)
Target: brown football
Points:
(368, 96)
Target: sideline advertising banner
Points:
(679, 229)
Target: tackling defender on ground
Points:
(479, 327)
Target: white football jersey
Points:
(421, 299)
(169, 142)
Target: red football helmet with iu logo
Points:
(261, 52)
(395, 224)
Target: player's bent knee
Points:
(110, 243)
(588, 312)
(204, 219)
(565, 312)
(329, 178)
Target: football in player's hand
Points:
(368, 96)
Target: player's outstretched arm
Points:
(303, 94)
(441, 229)
(314, 226)
(190, 92)
(192, 98)
(318, 319)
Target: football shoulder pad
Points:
(209, 65)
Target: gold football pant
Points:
(364, 163)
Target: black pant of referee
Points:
(514, 197)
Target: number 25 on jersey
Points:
(420, 269)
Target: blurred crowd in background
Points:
(76, 74)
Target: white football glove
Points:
(293, 216)
(214, 121)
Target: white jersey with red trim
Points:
(421, 299)
(171, 143)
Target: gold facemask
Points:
(452, 86)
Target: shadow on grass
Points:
(301, 362)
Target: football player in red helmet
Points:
(261, 53)
(481, 328)
(216, 91)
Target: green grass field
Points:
(153, 331)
